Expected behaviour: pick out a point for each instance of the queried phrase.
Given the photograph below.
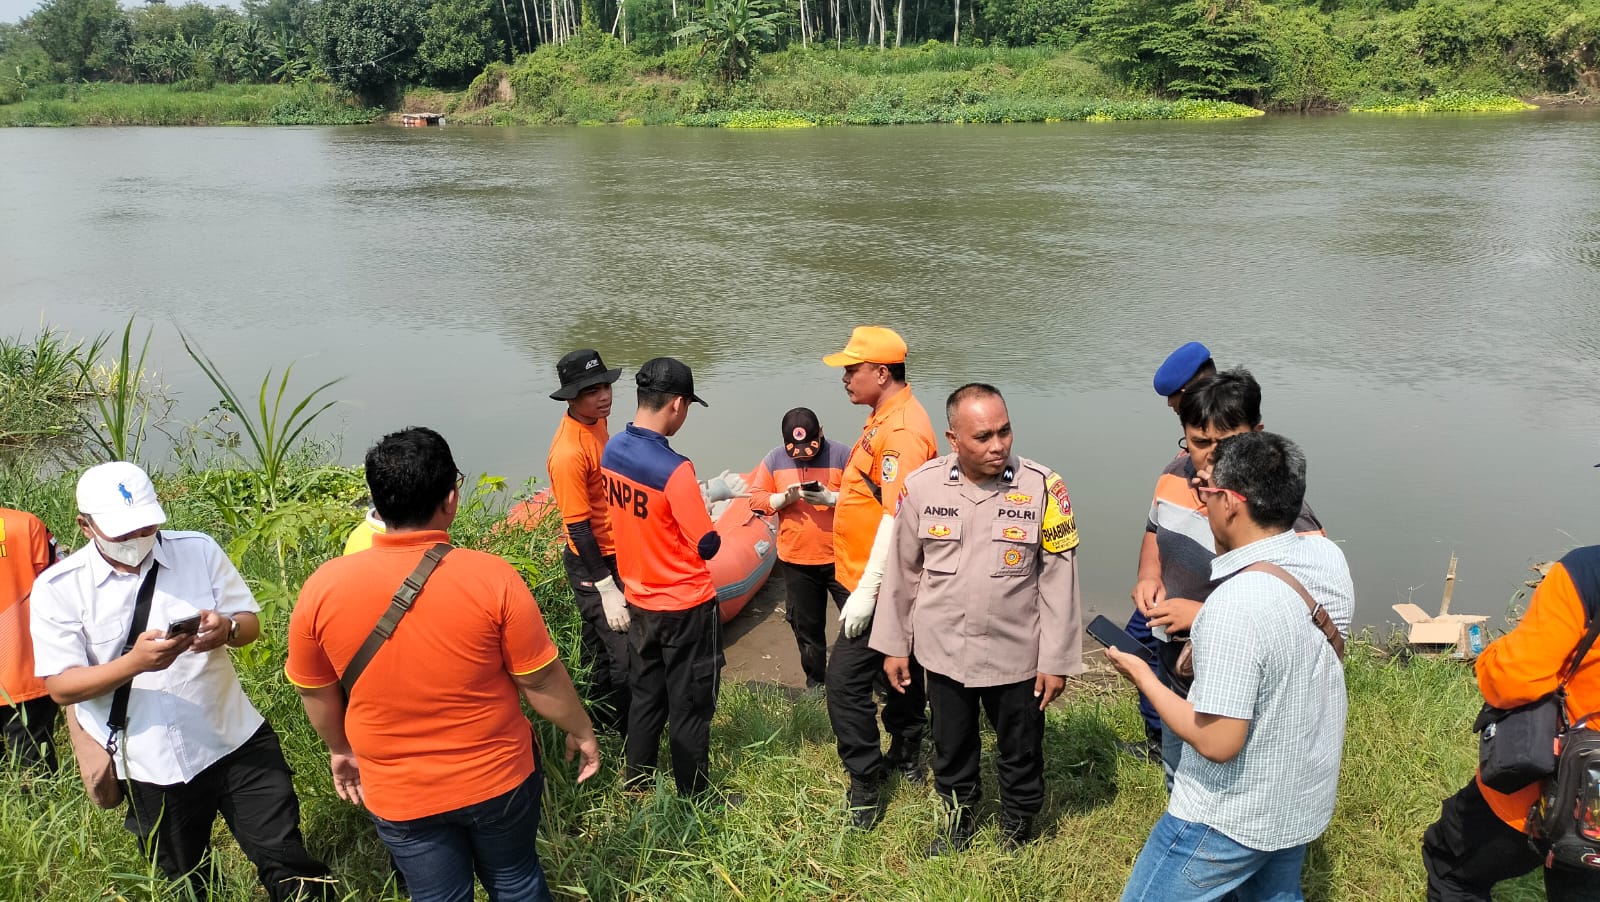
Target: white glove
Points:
(823, 497)
(856, 615)
(780, 500)
(614, 603)
(725, 485)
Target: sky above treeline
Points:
(15, 10)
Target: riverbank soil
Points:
(759, 645)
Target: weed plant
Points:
(1447, 102)
(145, 104)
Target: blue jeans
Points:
(1183, 861)
(496, 839)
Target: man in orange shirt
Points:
(1481, 837)
(432, 739)
(27, 713)
(897, 439)
(664, 537)
(590, 557)
(799, 480)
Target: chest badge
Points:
(1013, 557)
(1014, 533)
(1019, 498)
(939, 531)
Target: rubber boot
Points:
(962, 828)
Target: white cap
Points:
(120, 498)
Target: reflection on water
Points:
(1417, 295)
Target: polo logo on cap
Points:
(799, 433)
(127, 496)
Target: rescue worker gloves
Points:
(724, 486)
(856, 615)
(823, 497)
(780, 500)
(614, 602)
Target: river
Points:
(1419, 296)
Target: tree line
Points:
(1244, 50)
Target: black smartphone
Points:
(812, 486)
(186, 626)
(1112, 636)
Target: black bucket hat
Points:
(579, 370)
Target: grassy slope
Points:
(1407, 748)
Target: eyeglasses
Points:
(461, 480)
(1183, 443)
(1211, 490)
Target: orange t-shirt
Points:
(897, 439)
(574, 467)
(1525, 665)
(435, 721)
(26, 549)
(664, 534)
(805, 530)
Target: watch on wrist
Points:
(233, 631)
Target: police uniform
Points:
(982, 583)
(897, 439)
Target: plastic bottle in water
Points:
(1475, 638)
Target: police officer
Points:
(897, 438)
(982, 583)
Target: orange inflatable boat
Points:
(740, 569)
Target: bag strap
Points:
(404, 598)
(1319, 614)
(118, 721)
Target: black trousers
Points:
(604, 651)
(674, 672)
(1469, 849)
(28, 730)
(809, 586)
(251, 788)
(958, 743)
(853, 670)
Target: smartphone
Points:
(1112, 636)
(186, 626)
(812, 486)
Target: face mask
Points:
(129, 553)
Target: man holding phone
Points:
(193, 745)
(799, 481)
(982, 584)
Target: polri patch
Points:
(1018, 498)
(1060, 531)
(1013, 557)
(939, 531)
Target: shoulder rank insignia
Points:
(1060, 532)
(939, 530)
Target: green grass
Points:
(1447, 102)
(105, 103)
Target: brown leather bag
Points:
(1319, 616)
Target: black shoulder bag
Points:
(404, 598)
(1518, 746)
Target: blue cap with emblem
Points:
(1179, 367)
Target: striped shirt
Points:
(1258, 657)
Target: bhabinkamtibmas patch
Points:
(1060, 531)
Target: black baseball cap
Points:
(580, 369)
(669, 375)
(800, 431)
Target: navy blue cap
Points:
(1179, 367)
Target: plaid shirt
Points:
(1258, 657)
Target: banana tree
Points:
(732, 31)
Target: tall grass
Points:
(223, 104)
(44, 386)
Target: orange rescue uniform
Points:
(26, 549)
(1525, 665)
(805, 530)
(897, 439)
(574, 467)
(436, 720)
(659, 518)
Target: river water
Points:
(1419, 296)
